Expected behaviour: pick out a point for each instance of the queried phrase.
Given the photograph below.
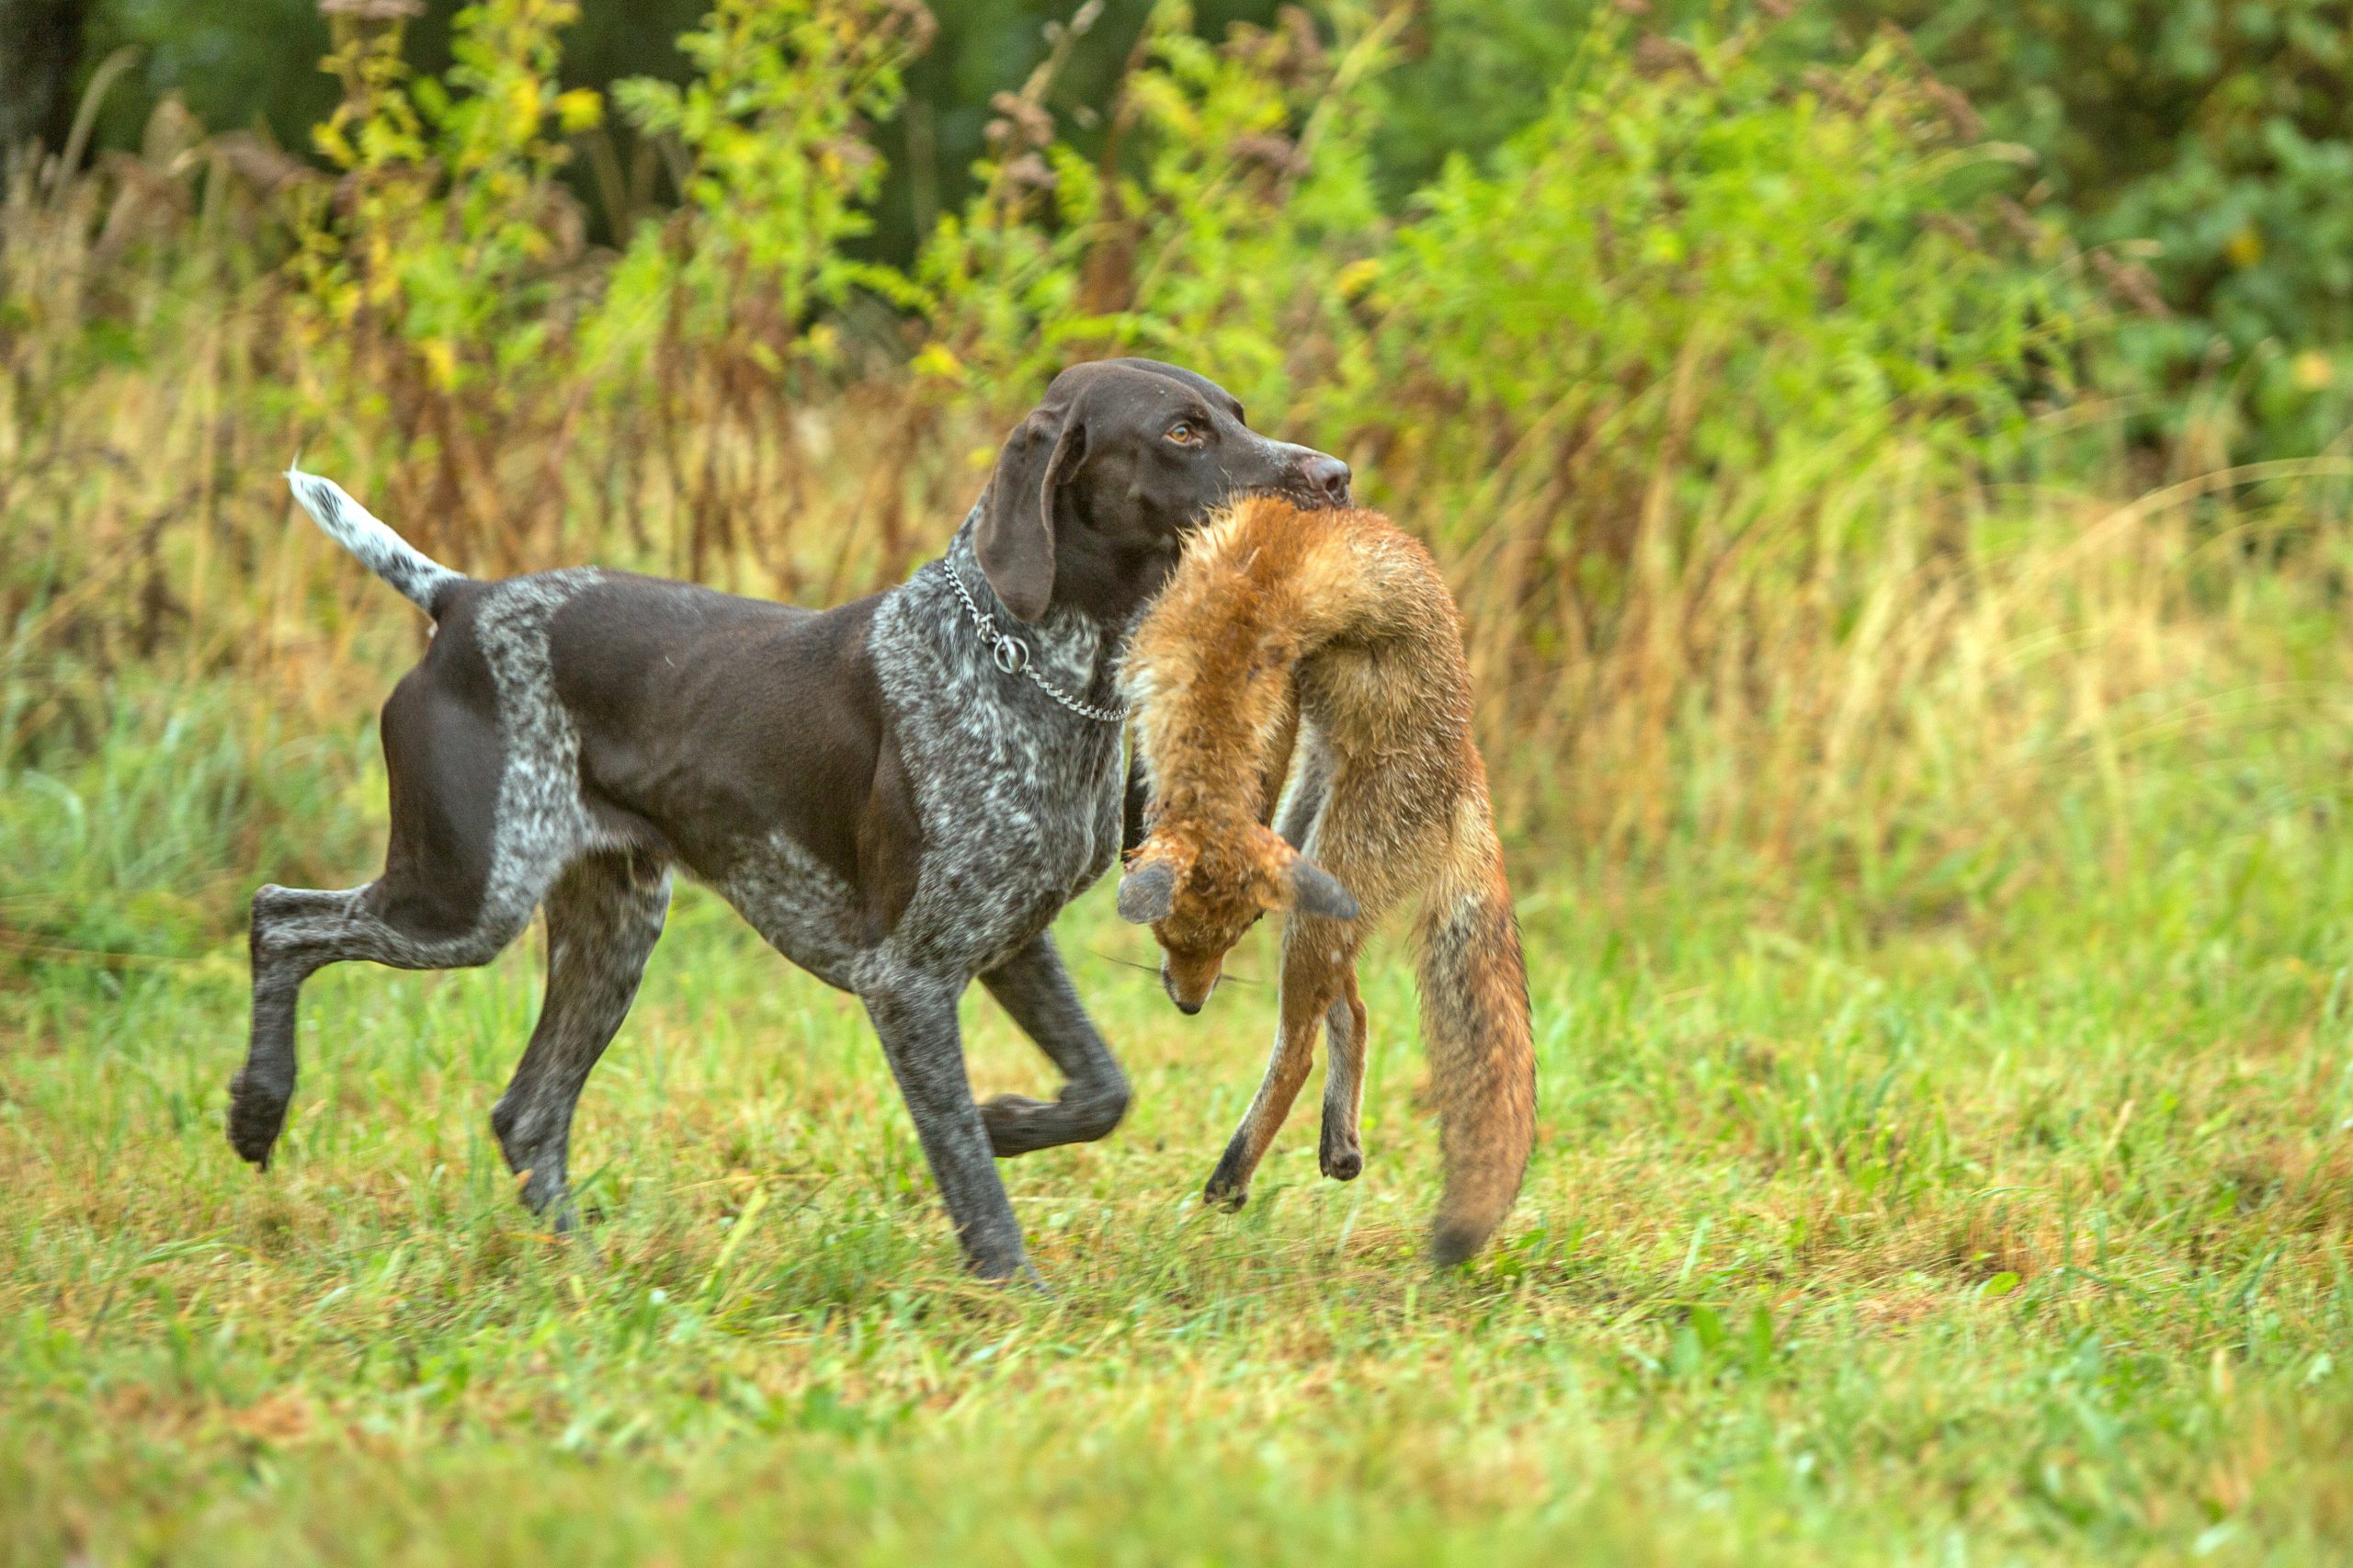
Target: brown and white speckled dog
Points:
(1330, 635)
(899, 793)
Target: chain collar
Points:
(1012, 655)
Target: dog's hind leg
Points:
(451, 895)
(298, 931)
(1034, 988)
(295, 932)
(604, 915)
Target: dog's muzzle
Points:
(1326, 479)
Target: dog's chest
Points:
(1019, 798)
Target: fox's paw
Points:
(1220, 1195)
(1337, 1154)
(1229, 1186)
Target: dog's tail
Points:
(1482, 1049)
(422, 580)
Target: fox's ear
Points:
(1314, 891)
(1148, 892)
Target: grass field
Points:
(1924, 732)
(1986, 1211)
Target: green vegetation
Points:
(2011, 1229)
(1927, 775)
(2205, 149)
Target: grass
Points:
(1989, 1211)
(1931, 843)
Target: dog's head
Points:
(1200, 892)
(1094, 491)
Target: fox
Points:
(1302, 721)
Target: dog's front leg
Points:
(1035, 989)
(915, 1015)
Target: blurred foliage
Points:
(776, 178)
(450, 229)
(2218, 131)
(235, 64)
(1673, 379)
(2203, 152)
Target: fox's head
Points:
(1199, 893)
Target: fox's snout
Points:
(1189, 983)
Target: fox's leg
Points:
(1339, 1152)
(1341, 1155)
(1318, 956)
(1302, 806)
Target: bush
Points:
(2211, 143)
(1735, 391)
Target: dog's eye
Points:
(1185, 433)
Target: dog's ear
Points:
(1314, 891)
(1015, 539)
(1148, 892)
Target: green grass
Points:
(1988, 1210)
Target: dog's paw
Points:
(539, 1186)
(1017, 1124)
(569, 1222)
(256, 1118)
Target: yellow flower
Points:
(936, 362)
(579, 110)
(1356, 277)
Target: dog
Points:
(899, 795)
(1332, 635)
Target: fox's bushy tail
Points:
(422, 580)
(1482, 1049)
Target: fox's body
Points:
(1329, 639)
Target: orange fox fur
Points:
(1329, 634)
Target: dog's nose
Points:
(1326, 477)
(1190, 1010)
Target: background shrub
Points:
(1749, 400)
